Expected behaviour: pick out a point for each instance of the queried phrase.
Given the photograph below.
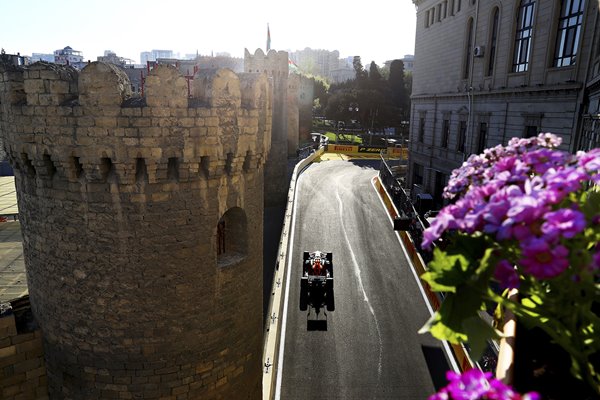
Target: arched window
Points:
(232, 237)
(523, 36)
(493, 41)
(469, 49)
(569, 29)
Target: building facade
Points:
(154, 55)
(485, 72)
(68, 56)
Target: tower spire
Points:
(268, 38)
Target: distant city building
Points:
(154, 55)
(409, 62)
(35, 57)
(68, 56)
(341, 74)
(485, 72)
(316, 62)
(14, 59)
(112, 58)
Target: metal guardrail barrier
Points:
(402, 201)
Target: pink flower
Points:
(543, 261)
(564, 222)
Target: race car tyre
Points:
(305, 257)
(303, 294)
(329, 297)
(330, 264)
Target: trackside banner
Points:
(369, 149)
(342, 148)
(397, 152)
(391, 151)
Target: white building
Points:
(154, 55)
(68, 56)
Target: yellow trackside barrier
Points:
(342, 148)
(397, 152)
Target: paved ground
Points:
(8, 196)
(13, 281)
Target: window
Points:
(445, 8)
(493, 41)
(421, 128)
(432, 16)
(232, 237)
(440, 183)
(462, 136)
(458, 5)
(468, 49)
(439, 12)
(445, 133)
(530, 131)
(482, 139)
(427, 19)
(417, 174)
(569, 29)
(452, 7)
(221, 238)
(523, 36)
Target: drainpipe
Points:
(470, 88)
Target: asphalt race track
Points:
(368, 348)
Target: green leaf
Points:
(457, 264)
(478, 332)
(448, 322)
(590, 204)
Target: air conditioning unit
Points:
(478, 51)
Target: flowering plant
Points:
(475, 384)
(525, 216)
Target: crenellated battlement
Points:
(274, 63)
(58, 123)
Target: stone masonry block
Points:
(7, 326)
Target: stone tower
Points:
(276, 65)
(142, 227)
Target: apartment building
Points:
(486, 71)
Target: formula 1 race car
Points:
(316, 283)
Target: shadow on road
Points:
(437, 365)
(316, 325)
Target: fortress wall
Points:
(142, 227)
(275, 65)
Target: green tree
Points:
(374, 74)
(381, 102)
(360, 73)
(399, 95)
(321, 93)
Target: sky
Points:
(375, 30)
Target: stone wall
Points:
(22, 367)
(275, 65)
(142, 227)
(293, 114)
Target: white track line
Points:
(357, 273)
